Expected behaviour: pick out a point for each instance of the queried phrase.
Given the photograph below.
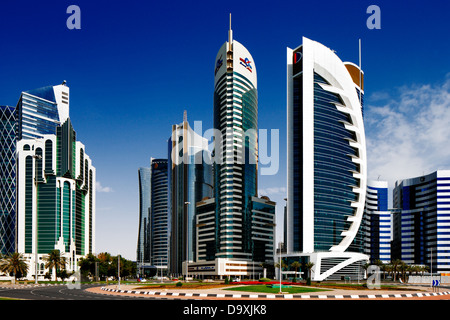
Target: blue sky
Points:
(135, 66)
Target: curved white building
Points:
(327, 162)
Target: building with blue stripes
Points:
(422, 224)
(378, 222)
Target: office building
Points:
(143, 245)
(8, 139)
(55, 199)
(42, 110)
(242, 232)
(191, 181)
(378, 222)
(159, 214)
(422, 221)
(327, 163)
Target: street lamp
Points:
(39, 157)
(187, 203)
(118, 271)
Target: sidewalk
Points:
(411, 292)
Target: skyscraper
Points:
(421, 223)
(327, 165)
(159, 213)
(8, 140)
(42, 110)
(38, 112)
(143, 250)
(55, 198)
(231, 235)
(378, 221)
(191, 181)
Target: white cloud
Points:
(408, 135)
(100, 188)
(272, 191)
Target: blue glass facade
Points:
(333, 169)
(143, 245)
(421, 221)
(38, 113)
(190, 182)
(159, 212)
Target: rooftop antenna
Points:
(360, 73)
(185, 116)
(230, 36)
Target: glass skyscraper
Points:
(421, 221)
(143, 250)
(191, 181)
(55, 198)
(42, 110)
(327, 165)
(8, 140)
(159, 213)
(378, 222)
(153, 234)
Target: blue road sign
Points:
(436, 283)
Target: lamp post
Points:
(187, 203)
(36, 220)
(118, 271)
(280, 267)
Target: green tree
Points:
(14, 264)
(54, 260)
(87, 265)
(105, 260)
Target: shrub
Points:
(179, 284)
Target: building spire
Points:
(230, 36)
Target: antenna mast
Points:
(230, 36)
(360, 72)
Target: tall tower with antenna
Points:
(236, 225)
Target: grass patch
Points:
(268, 289)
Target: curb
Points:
(278, 296)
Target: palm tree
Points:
(395, 265)
(295, 265)
(14, 263)
(283, 265)
(54, 260)
(309, 267)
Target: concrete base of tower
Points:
(330, 265)
(222, 268)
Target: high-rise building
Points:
(327, 164)
(8, 139)
(55, 198)
(143, 248)
(378, 222)
(38, 112)
(242, 232)
(159, 213)
(422, 221)
(42, 110)
(191, 181)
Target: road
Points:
(59, 292)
